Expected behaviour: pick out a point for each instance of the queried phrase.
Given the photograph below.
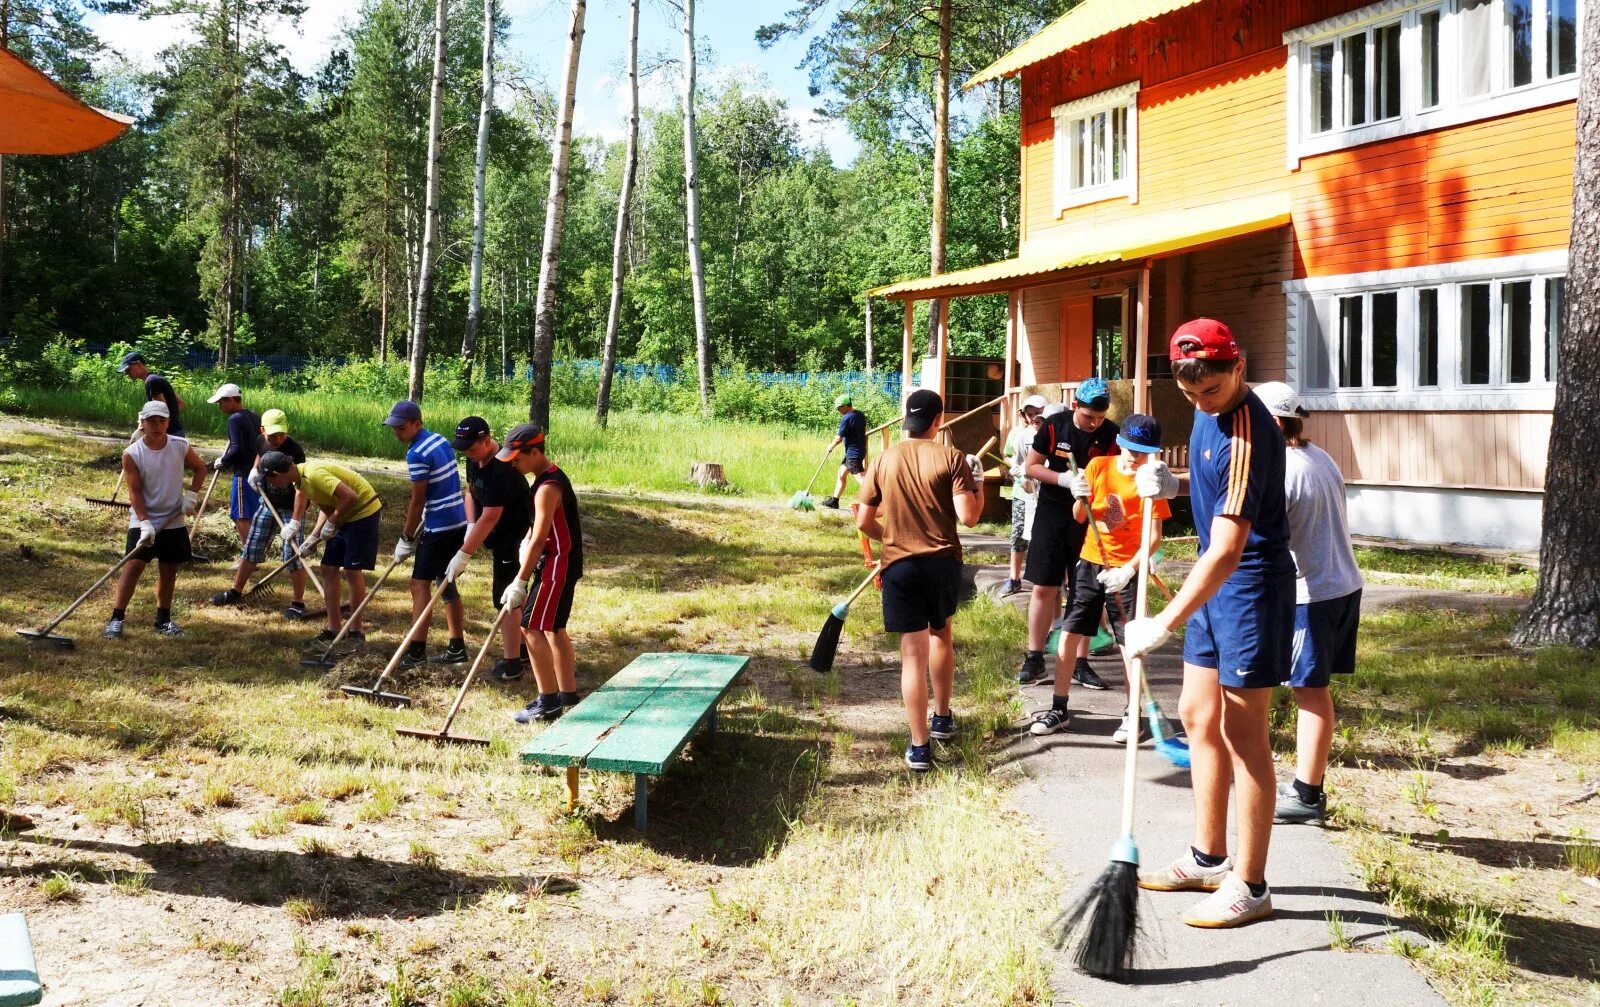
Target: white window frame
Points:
(1066, 118)
(1313, 315)
(1452, 110)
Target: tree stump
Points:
(704, 474)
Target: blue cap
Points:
(1092, 392)
(402, 413)
(128, 360)
(1140, 433)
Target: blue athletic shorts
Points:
(1325, 640)
(243, 502)
(1245, 631)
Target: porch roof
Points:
(1138, 238)
(1084, 23)
(42, 118)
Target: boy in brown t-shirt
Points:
(923, 488)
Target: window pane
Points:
(1119, 143)
(1350, 326)
(1386, 44)
(1430, 59)
(1475, 334)
(1519, 26)
(1320, 118)
(1516, 328)
(1561, 29)
(1097, 153)
(1080, 153)
(1476, 30)
(1385, 340)
(1108, 337)
(1318, 371)
(1355, 79)
(1428, 338)
(1555, 320)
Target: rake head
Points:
(64, 642)
(112, 504)
(442, 736)
(376, 695)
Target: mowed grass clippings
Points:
(288, 832)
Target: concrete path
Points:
(1070, 785)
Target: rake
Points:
(264, 588)
(112, 501)
(65, 642)
(326, 660)
(199, 513)
(277, 519)
(443, 733)
(375, 693)
(802, 499)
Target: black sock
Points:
(458, 643)
(418, 647)
(1058, 702)
(568, 698)
(1206, 859)
(119, 613)
(1036, 653)
(1258, 889)
(1307, 793)
(163, 616)
(549, 698)
(1082, 662)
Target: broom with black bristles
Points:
(1104, 921)
(828, 640)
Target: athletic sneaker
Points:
(1291, 810)
(507, 669)
(228, 597)
(1083, 674)
(453, 655)
(539, 709)
(1032, 669)
(832, 503)
(355, 636)
(1185, 875)
(168, 628)
(1011, 586)
(942, 726)
(919, 757)
(1231, 905)
(296, 611)
(1050, 721)
(326, 636)
(113, 629)
(1120, 735)
(414, 658)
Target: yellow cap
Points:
(273, 421)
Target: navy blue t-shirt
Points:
(1236, 469)
(853, 431)
(158, 387)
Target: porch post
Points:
(1141, 342)
(905, 348)
(939, 327)
(1008, 414)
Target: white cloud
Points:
(307, 40)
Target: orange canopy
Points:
(38, 117)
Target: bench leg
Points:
(641, 801)
(572, 789)
(711, 723)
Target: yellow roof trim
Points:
(1141, 238)
(1086, 22)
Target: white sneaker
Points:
(113, 629)
(1185, 875)
(1231, 905)
(1120, 735)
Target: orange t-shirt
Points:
(1118, 510)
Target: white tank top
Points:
(161, 479)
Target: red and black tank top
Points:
(564, 544)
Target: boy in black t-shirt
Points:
(499, 509)
(852, 434)
(272, 435)
(155, 387)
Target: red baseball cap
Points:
(1203, 339)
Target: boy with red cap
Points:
(1239, 606)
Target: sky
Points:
(537, 41)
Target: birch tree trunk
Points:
(430, 215)
(619, 246)
(1566, 603)
(469, 339)
(866, 303)
(691, 184)
(555, 210)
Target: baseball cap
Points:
(275, 462)
(1054, 409)
(227, 391)
(403, 412)
(1203, 339)
(843, 400)
(469, 432)
(521, 438)
(273, 421)
(1037, 402)
(922, 408)
(1092, 392)
(1280, 399)
(155, 407)
(1140, 433)
(128, 360)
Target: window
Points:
(1096, 151)
(1555, 321)
(1475, 31)
(1561, 38)
(1429, 84)
(1369, 340)
(1474, 329)
(1428, 338)
(1351, 322)
(1385, 340)
(1516, 327)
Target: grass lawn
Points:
(213, 816)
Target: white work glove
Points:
(404, 549)
(254, 479)
(191, 502)
(1141, 636)
(291, 529)
(327, 531)
(217, 465)
(1155, 481)
(147, 533)
(457, 564)
(1116, 578)
(1075, 483)
(1018, 472)
(514, 595)
(976, 464)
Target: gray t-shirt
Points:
(161, 481)
(1319, 538)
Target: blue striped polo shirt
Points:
(431, 459)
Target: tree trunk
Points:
(555, 210)
(430, 220)
(1566, 603)
(502, 288)
(867, 310)
(941, 183)
(469, 340)
(630, 167)
(691, 183)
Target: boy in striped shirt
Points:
(435, 526)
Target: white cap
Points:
(1280, 399)
(1054, 409)
(1035, 402)
(227, 391)
(155, 407)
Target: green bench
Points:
(19, 976)
(639, 721)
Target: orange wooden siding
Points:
(1241, 282)
(1436, 448)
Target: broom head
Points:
(828, 641)
(1175, 751)
(802, 501)
(1103, 924)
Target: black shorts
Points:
(550, 605)
(1089, 598)
(435, 549)
(355, 546)
(505, 563)
(855, 466)
(171, 546)
(1054, 546)
(920, 592)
